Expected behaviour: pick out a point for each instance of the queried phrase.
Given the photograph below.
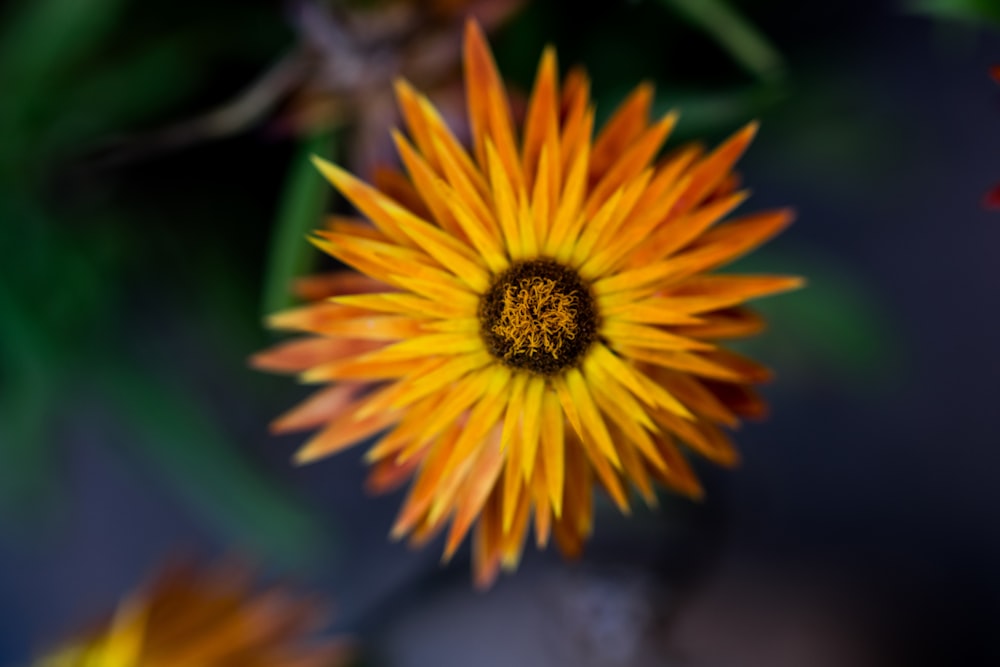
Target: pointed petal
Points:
(625, 412)
(694, 363)
(727, 242)
(676, 233)
(623, 128)
(326, 404)
(541, 122)
(629, 163)
(489, 110)
(540, 500)
(694, 393)
(481, 482)
(678, 473)
(343, 432)
(364, 197)
(711, 171)
(512, 541)
(733, 289)
(703, 438)
(618, 333)
(299, 354)
(486, 545)
(594, 429)
(484, 416)
(532, 426)
(728, 323)
(504, 203)
(553, 454)
(319, 286)
(567, 221)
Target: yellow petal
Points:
(480, 483)
(618, 332)
(531, 420)
(590, 416)
(552, 448)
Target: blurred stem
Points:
(302, 205)
(734, 33)
(28, 385)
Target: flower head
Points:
(533, 318)
(210, 620)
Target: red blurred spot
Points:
(992, 198)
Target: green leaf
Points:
(175, 433)
(48, 36)
(707, 113)
(835, 327)
(972, 11)
(733, 32)
(114, 96)
(42, 42)
(302, 205)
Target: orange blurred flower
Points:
(532, 318)
(210, 619)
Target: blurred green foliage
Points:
(970, 11)
(73, 75)
(834, 331)
(733, 32)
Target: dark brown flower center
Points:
(538, 315)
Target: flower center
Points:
(538, 315)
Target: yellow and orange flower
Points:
(209, 620)
(531, 317)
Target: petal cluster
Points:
(209, 619)
(397, 343)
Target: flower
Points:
(211, 619)
(341, 83)
(532, 318)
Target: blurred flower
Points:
(992, 198)
(339, 72)
(211, 619)
(529, 318)
(359, 48)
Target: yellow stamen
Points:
(536, 316)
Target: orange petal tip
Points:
(261, 361)
(474, 31)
